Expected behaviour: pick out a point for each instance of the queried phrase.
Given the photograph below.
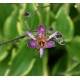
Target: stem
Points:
(10, 41)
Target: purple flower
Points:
(42, 41)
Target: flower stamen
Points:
(42, 42)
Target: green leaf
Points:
(64, 24)
(55, 7)
(3, 53)
(5, 11)
(45, 14)
(21, 27)
(33, 21)
(40, 66)
(73, 69)
(23, 61)
(10, 25)
(37, 68)
(3, 49)
(77, 6)
(4, 66)
(60, 66)
(74, 48)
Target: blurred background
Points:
(17, 59)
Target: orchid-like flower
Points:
(42, 41)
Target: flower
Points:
(42, 42)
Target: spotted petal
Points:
(50, 44)
(32, 44)
(41, 31)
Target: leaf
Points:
(5, 11)
(3, 50)
(4, 65)
(37, 68)
(77, 6)
(3, 53)
(45, 14)
(60, 67)
(21, 20)
(55, 7)
(73, 69)
(33, 21)
(74, 48)
(40, 66)
(23, 60)
(64, 24)
(10, 25)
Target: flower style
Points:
(42, 41)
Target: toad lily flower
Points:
(41, 42)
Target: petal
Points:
(41, 52)
(50, 44)
(31, 35)
(52, 35)
(32, 44)
(41, 31)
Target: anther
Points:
(27, 14)
(62, 43)
(58, 35)
(51, 29)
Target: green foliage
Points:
(17, 59)
(10, 27)
(73, 48)
(23, 60)
(64, 24)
